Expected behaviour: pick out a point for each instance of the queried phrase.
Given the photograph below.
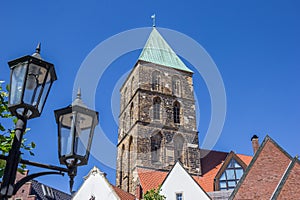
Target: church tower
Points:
(157, 121)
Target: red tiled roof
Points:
(122, 194)
(206, 181)
(151, 179)
(210, 164)
(246, 159)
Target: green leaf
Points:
(1, 127)
(7, 133)
(7, 87)
(32, 144)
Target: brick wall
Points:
(264, 174)
(290, 189)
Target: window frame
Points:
(177, 195)
(155, 80)
(227, 179)
(176, 86)
(156, 108)
(222, 171)
(176, 112)
(155, 147)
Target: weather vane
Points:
(153, 20)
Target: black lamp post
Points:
(30, 82)
(76, 124)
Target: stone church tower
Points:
(157, 121)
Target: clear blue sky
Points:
(255, 44)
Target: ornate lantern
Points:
(76, 124)
(30, 82)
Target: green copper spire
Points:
(159, 52)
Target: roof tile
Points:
(151, 179)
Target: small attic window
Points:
(231, 175)
(179, 196)
(47, 191)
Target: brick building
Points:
(272, 174)
(34, 190)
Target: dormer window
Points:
(47, 191)
(231, 175)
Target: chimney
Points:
(255, 143)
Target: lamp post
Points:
(76, 124)
(30, 82)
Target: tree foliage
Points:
(7, 134)
(154, 194)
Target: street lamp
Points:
(30, 82)
(76, 124)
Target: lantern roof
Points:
(37, 54)
(78, 101)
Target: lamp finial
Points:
(38, 48)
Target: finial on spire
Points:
(153, 20)
(38, 48)
(79, 93)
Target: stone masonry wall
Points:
(137, 126)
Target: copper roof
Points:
(158, 51)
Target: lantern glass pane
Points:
(45, 92)
(17, 80)
(34, 81)
(83, 131)
(66, 138)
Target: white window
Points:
(179, 196)
(47, 191)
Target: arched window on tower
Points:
(156, 147)
(124, 98)
(121, 166)
(124, 123)
(176, 86)
(156, 108)
(176, 112)
(155, 80)
(129, 175)
(178, 147)
(132, 87)
(131, 114)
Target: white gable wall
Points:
(179, 181)
(96, 185)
